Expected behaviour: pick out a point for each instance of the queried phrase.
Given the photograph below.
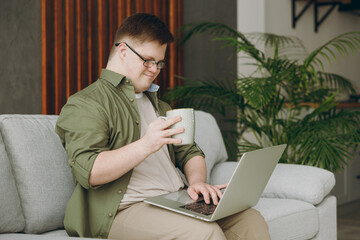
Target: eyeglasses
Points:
(147, 62)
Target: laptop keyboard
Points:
(200, 207)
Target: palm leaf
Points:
(319, 145)
(335, 81)
(258, 91)
(340, 44)
(324, 107)
(324, 136)
(282, 46)
(244, 46)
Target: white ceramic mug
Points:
(187, 122)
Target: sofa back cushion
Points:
(300, 182)
(11, 216)
(39, 164)
(209, 139)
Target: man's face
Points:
(141, 76)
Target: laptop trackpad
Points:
(180, 196)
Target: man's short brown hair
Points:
(141, 27)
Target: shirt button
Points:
(131, 99)
(110, 214)
(73, 162)
(127, 81)
(120, 191)
(137, 122)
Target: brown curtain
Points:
(77, 36)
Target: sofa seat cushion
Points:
(289, 219)
(58, 233)
(39, 164)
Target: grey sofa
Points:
(36, 182)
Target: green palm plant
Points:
(273, 102)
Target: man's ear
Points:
(121, 50)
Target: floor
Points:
(348, 221)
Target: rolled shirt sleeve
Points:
(83, 130)
(184, 153)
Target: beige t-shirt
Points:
(156, 175)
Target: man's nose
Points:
(153, 68)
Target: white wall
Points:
(250, 18)
(274, 16)
(251, 15)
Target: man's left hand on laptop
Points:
(207, 191)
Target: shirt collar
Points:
(116, 78)
(112, 77)
(153, 88)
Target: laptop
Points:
(245, 187)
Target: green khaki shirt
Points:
(103, 116)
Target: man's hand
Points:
(158, 133)
(207, 191)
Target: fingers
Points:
(167, 132)
(164, 124)
(207, 191)
(173, 141)
(158, 133)
(215, 194)
(194, 195)
(170, 132)
(218, 192)
(167, 122)
(218, 196)
(221, 186)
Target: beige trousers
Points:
(143, 221)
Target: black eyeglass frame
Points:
(147, 62)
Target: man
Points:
(121, 152)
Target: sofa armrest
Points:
(305, 183)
